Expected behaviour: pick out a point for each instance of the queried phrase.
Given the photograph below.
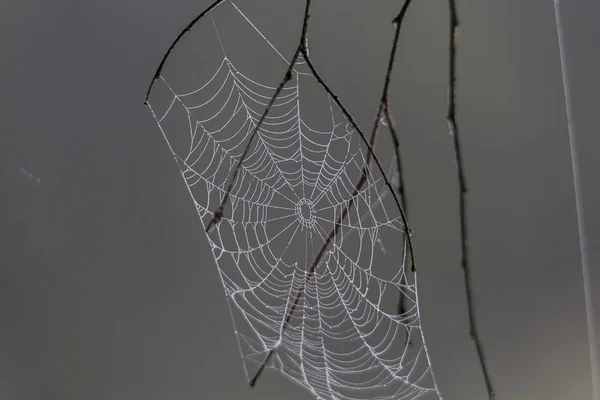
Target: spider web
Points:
(344, 338)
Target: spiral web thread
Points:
(344, 340)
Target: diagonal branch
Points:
(177, 39)
(371, 151)
(236, 170)
(384, 110)
(365, 171)
(453, 131)
(332, 235)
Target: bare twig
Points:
(384, 108)
(332, 234)
(177, 39)
(453, 131)
(236, 170)
(371, 151)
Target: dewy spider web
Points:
(298, 178)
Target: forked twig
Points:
(464, 250)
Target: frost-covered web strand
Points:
(585, 263)
(299, 221)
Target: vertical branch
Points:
(464, 250)
(384, 109)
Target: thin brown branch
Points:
(177, 39)
(401, 307)
(332, 234)
(236, 170)
(384, 108)
(371, 152)
(464, 250)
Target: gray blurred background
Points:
(107, 288)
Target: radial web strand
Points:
(344, 339)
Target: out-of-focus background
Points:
(108, 289)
